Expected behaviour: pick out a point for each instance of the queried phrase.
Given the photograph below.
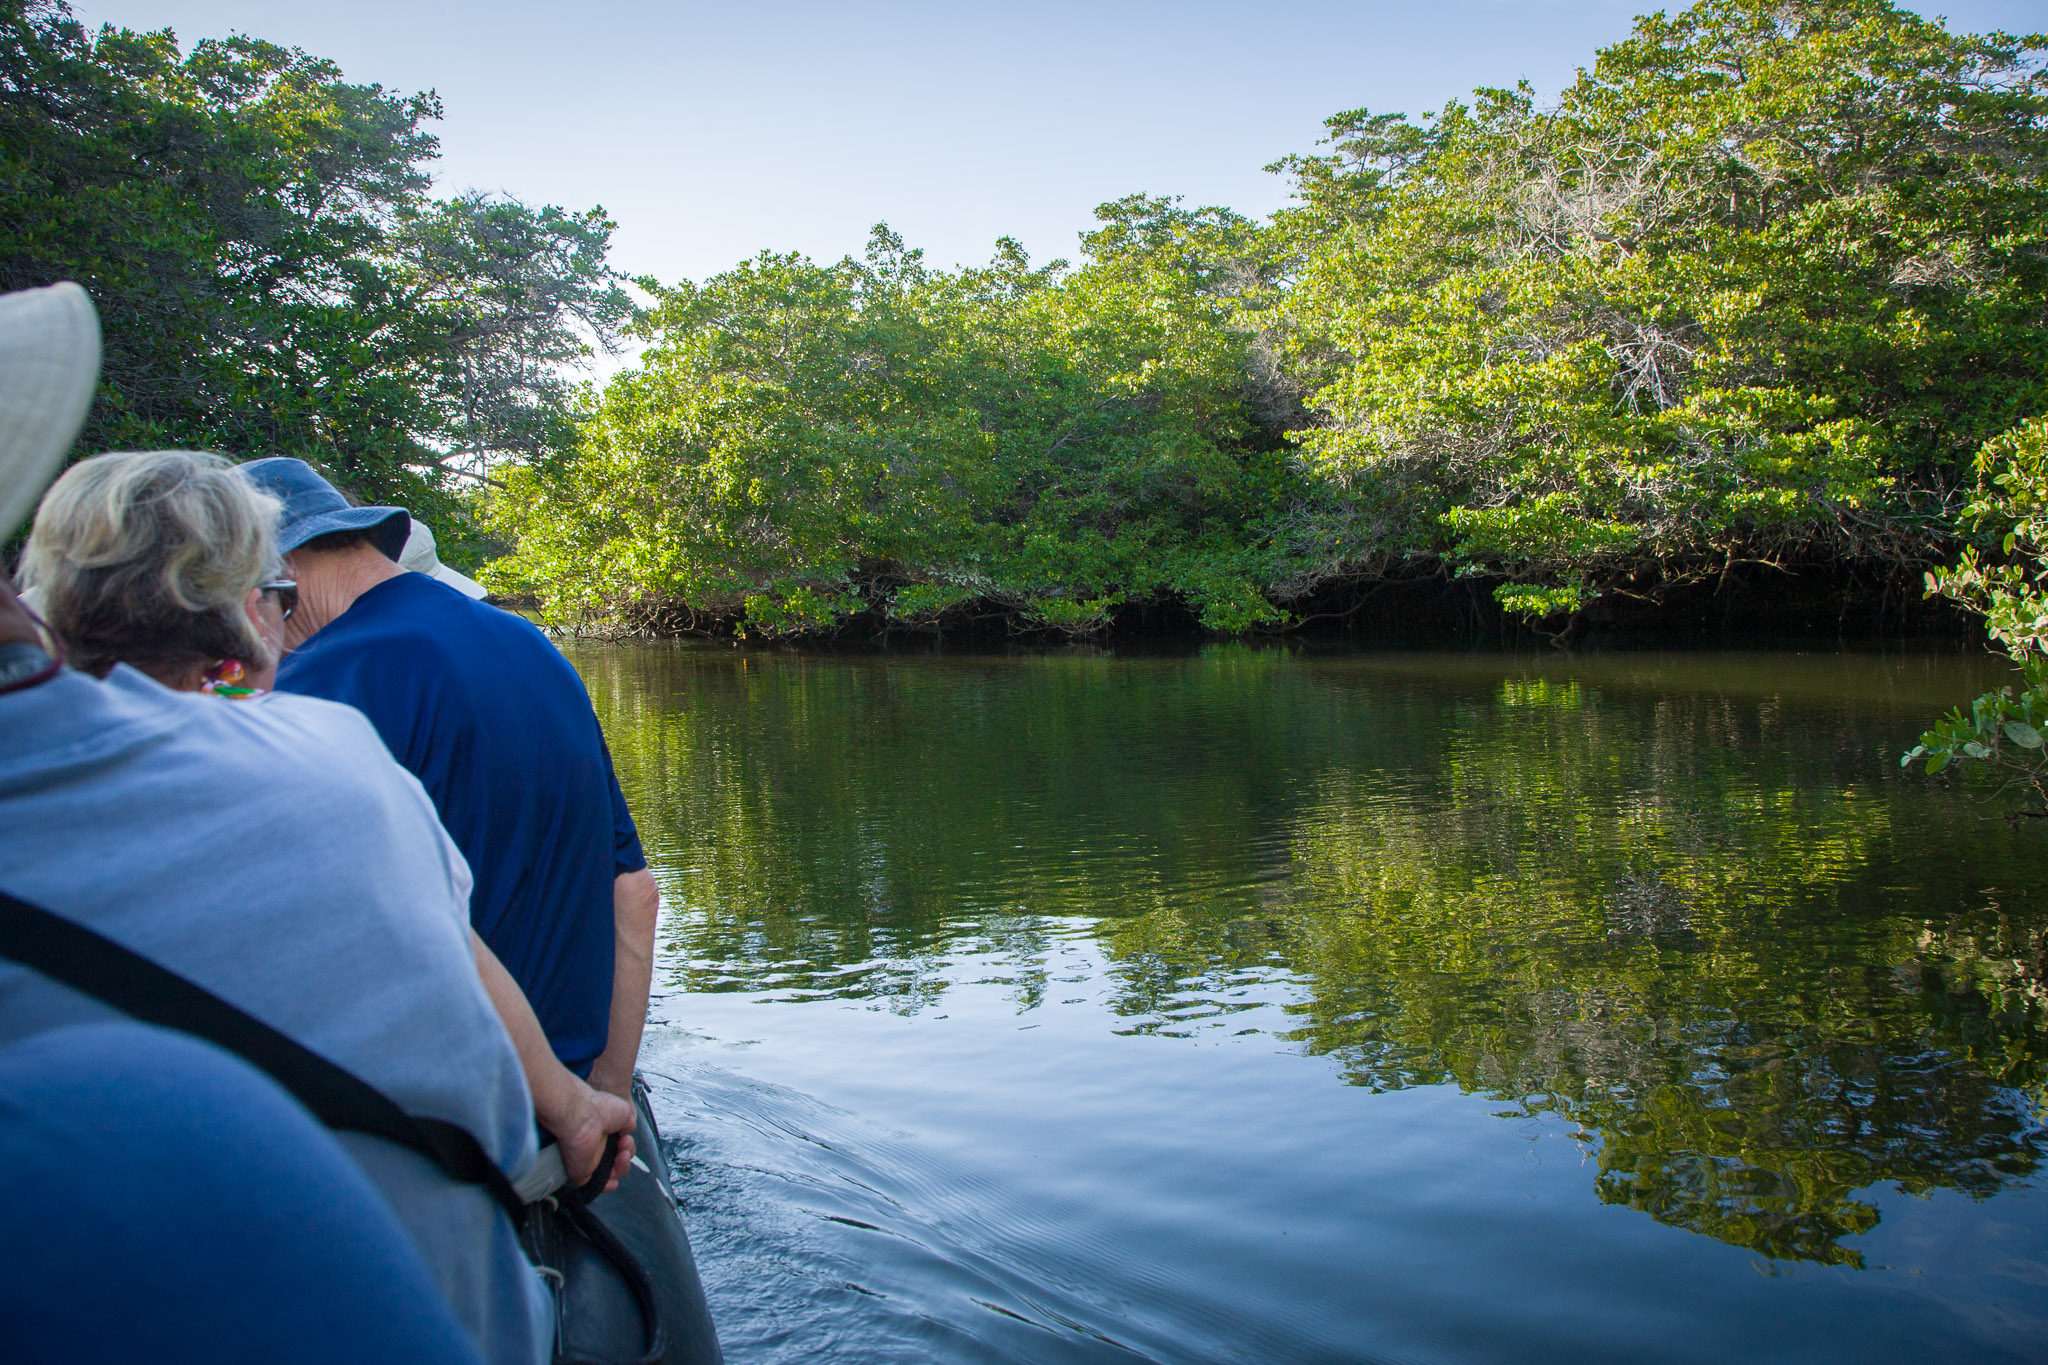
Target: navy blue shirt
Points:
(498, 728)
(166, 1203)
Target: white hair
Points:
(148, 557)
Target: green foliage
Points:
(271, 275)
(2011, 505)
(803, 443)
(2002, 730)
(1530, 600)
(1753, 289)
(498, 299)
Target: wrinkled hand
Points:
(590, 1118)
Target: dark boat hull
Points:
(600, 1319)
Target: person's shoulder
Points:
(292, 738)
(126, 695)
(480, 615)
(75, 718)
(420, 612)
(311, 717)
(390, 631)
(464, 631)
(411, 637)
(272, 740)
(128, 698)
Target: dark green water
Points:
(1263, 1005)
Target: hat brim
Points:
(457, 580)
(392, 525)
(49, 368)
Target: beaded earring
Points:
(224, 679)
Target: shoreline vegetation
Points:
(1752, 606)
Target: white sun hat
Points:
(419, 556)
(49, 365)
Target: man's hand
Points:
(580, 1118)
(588, 1117)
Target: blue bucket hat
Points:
(314, 507)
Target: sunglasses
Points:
(287, 595)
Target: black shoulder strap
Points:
(114, 975)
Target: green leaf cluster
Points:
(2003, 730)
(272, 276)
(807, 443)
(1755, 289)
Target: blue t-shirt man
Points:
(496, 725)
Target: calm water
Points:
(1260, 1005)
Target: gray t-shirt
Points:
(274, 853)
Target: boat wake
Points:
(825, 1235)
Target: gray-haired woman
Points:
(165, 560)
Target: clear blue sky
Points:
(711, 131)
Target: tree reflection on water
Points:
(1686, 904)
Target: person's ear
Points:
(253, 605)
(272, 641)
